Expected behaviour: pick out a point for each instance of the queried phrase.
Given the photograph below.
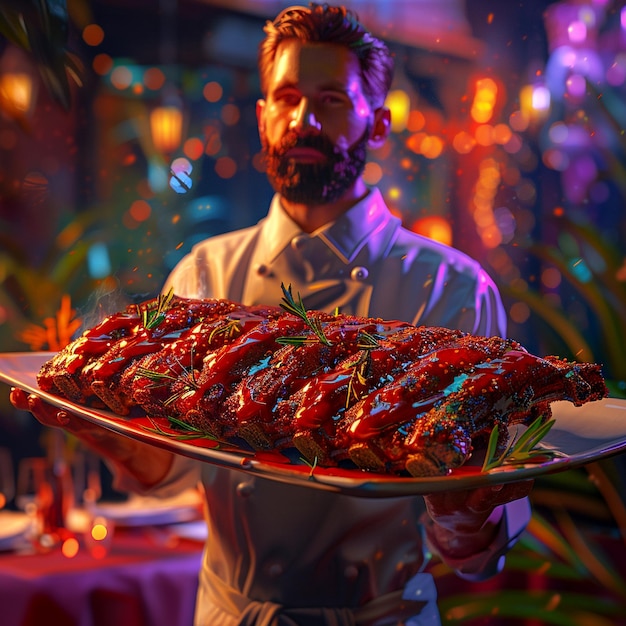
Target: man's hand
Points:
(466, 522)
(145, 463)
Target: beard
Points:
(314, 183)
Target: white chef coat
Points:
(364, 263)
(283, 555)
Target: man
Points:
(279, 554)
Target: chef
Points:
(280, 554)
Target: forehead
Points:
(315, 65)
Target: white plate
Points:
(195, 531)
(142, 511)
(581, 434)
(13, 526)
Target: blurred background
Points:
(128, 133)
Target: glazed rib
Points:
(383, 395)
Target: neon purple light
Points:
(577, 31)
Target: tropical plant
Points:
(596, 271)
(40, 27)
(562, 571)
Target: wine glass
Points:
(86, 473)
(32, 473)
(41, 494)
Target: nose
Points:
(304, 117)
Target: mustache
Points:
(315, 141)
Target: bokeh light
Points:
(399, 103)
(93, 35)
(576, 85)
(463, 142)
(432, 147)
(551, 278)
(154, 78)
(373, 173)
(484, 100)
(121, 77)
(102, 64)
(519, 121)
(577, 31)
(484, 135)
(415, 121)
(140, 210)
(434, 227)
(212, 91)
(519, 312)
(225, 167)
(193, 148)
(230, 114)
(70, 547)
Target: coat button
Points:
(359, 273)
(298, 243)
(245, 489)
(262, 269)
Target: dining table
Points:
(147, 575)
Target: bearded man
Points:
(279, 554)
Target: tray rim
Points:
(350, 482)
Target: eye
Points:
(333, 98)
(287, 97)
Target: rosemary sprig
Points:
(312, 466)
(158, 378)
(298, 309)
(190, 432)
(298, 340)
(366, 342)
(520, 450)
(151, 318)
(230, 328)
(161, 379)
(359, 375)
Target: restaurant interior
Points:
(128, 134)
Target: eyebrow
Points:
(330, 86)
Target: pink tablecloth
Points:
(142, 581)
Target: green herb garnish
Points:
(162, 379)
(230, 328)
(312, 466)
(366, 342)
(520, 450)
(299, 310)
(190, 432)
(152, 317)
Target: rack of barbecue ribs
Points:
(381, 395)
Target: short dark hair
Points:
(330, 24)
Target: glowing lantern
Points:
(16, 92)
(166, 126)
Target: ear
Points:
(380, 128)
(260, 115)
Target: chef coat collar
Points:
(344, 236)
